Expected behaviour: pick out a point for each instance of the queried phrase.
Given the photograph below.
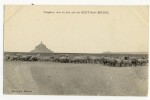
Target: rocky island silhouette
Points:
(41, 48)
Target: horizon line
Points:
(77, 52)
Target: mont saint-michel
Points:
(94, 52)
(43, 72)
(41, 48)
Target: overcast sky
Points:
(124, 29)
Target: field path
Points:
(75, 79)
(18, 79)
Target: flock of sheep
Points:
(119, 61)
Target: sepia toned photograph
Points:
(76, 50)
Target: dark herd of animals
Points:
(118, 61)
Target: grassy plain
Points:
(47, 78)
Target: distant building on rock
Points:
(41, 48)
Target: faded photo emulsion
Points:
(76, 50)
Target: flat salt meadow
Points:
(47, 78)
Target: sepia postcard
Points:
(76, 50)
